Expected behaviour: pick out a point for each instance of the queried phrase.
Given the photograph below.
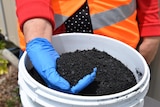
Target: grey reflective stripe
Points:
(59, 19)
(104, 18)
(112, 16)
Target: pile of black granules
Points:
(112, 76)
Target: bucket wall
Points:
(34, 94)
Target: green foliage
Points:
(3, 62)
(3, 66)
(2, 44)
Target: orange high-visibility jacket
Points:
(112, 18)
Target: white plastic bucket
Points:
(34, 94)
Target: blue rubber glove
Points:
(84, 82)
(43, 57)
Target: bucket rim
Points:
(51, 91)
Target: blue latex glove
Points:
(84, 82)
(43, 57)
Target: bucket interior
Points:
(70, 43)
(126, 54)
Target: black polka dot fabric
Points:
(80, 21)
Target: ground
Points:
(9, 90)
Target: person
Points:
(134, 22)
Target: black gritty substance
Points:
(112, 76)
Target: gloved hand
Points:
(43, 57)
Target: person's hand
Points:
(149, 47)
(43, 57)
(84, 82)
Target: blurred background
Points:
(8, 27)
(9, 52)
(8, 23)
